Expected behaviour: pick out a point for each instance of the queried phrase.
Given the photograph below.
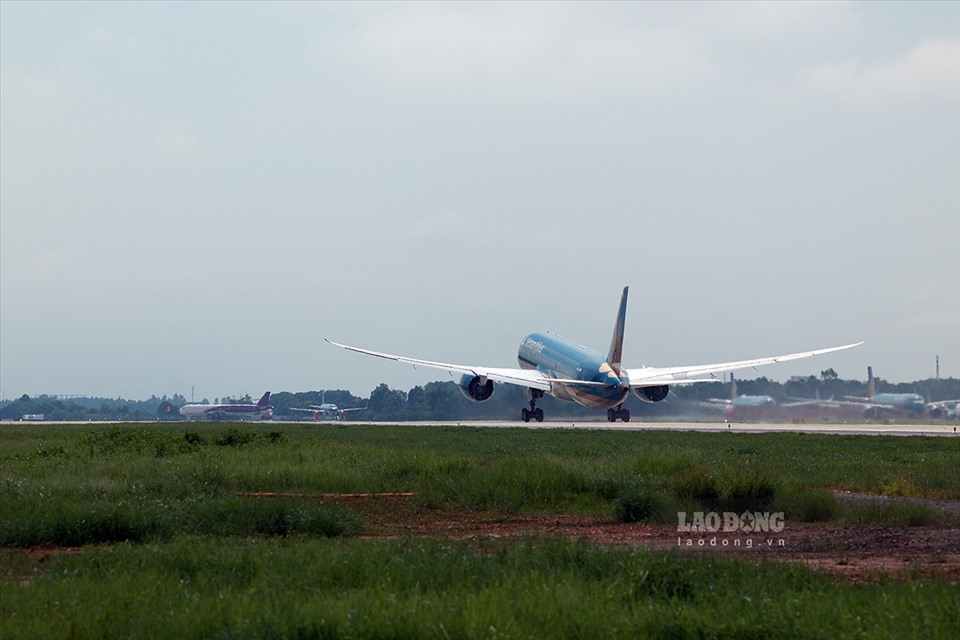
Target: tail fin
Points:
(264, 401)
(871, 383)
(615, 356)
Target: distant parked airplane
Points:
(555, 365)
(879, 405)
(745, 401)
(947, 409)
(327, 410)
(260, 410)
(738, 406)
(766, 408)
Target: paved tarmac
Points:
(945, 428)
(932, 429)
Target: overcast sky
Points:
(194, 195)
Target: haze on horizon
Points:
(194, 195)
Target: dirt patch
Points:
(855, 553)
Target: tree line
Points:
(444, 401)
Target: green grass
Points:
(300, 587)
(150, 538)
(87, 484)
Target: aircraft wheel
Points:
(625, 415)
(538, 415)
(525, 415)
(611, 415)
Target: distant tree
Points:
(417, 407)
(443, 400)
(165, 410)
(385, 403)
(829, 374)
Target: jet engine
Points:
(651, 394)
(474, 389)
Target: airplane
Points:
(946, 409)
(880, 403)
(744, 401)
(893, 404)
(745, 406)
(554, 365)
(224, 411)
(327, 410)
(766, 408)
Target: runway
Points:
(932, 429)
(944, 429)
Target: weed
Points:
(889, 512)
(637, 502)
(747, 490)
(697, 484)
(807, 504)
(234, 438)
(308, 587)
(899, 486)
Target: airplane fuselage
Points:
(559, 357)
(223, 411)
(327, 410)
(260, 410)
(753, 401)
(910, 402)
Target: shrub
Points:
(637, 502)
(696, 484)
(808, 505)
(234, 438)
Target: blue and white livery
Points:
(560, 367)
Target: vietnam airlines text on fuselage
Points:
(559, 357)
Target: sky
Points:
(194, 195)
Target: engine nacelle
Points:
(651, 394)
(474, 390)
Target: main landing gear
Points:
(532, 413)
(618, 414)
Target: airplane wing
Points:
(656, 376)
(523, 377)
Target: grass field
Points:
(139, 531)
